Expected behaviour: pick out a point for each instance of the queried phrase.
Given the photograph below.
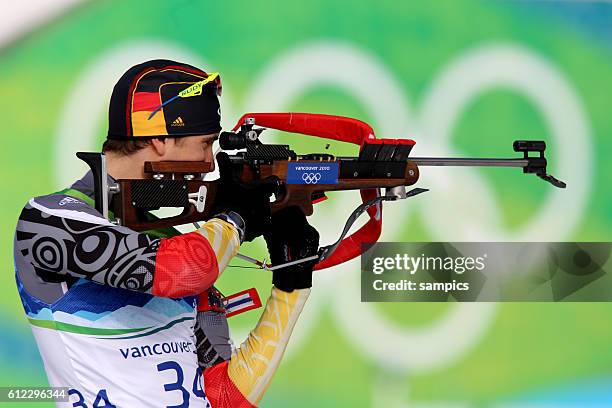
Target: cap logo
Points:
(178, 122)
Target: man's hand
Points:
(251, 201)
(291, 238)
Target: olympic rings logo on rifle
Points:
(311, 178)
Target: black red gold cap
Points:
(163, 98)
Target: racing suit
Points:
(115, 312)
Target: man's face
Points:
(191, 148)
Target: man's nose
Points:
(210, 158)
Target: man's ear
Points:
(159, 146)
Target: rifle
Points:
(303, 180)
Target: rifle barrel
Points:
(449, 161)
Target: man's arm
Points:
(243, 380)
(64, 238)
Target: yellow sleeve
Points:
(254, 363)
(223, 238)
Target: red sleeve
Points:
(221, 391)
(185, 265)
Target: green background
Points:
(527, 353)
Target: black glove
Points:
(251, 201)
(290, 238)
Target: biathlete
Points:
(128, 319)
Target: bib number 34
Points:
(102, 399)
